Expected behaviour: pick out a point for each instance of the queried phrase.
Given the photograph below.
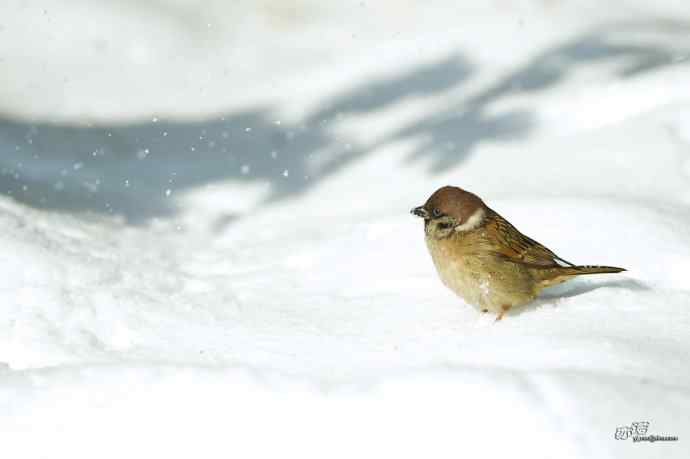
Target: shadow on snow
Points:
(128, 169)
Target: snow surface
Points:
(206, 246)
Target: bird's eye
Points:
(436, 213)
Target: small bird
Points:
(484, 259)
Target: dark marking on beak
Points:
(420, 212)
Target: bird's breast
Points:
(454, 264)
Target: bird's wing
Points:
(518, 248)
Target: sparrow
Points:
(484, 259)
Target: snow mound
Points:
(215, 258)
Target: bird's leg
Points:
(505, 308)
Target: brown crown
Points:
(454, 201)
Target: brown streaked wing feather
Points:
(519, 248)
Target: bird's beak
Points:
(420, 212)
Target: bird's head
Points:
(451, 210)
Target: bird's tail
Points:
(556, 275)
(588, 269)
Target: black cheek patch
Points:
(445, 226)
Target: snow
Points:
(207, 251)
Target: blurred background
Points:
(123, 107)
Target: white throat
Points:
(473, 222)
